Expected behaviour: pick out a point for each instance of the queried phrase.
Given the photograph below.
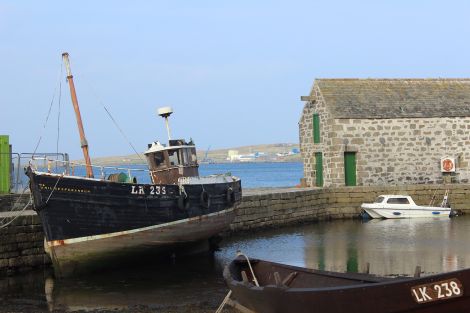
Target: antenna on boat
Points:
(83, 141)
(165, 112)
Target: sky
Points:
(233, 71)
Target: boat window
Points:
(175, 157)
(379, 200)
(190, 156)
(186, 157)
(193, 155)
(398, 201)
(159, 159)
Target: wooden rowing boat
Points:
(288, 289)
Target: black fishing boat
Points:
(92, 222)
(277, 288)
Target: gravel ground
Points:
(35, 306)
(136, 309)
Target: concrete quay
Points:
(21, 242)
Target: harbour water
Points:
(253, 175)
(391, 247)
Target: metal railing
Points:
(71, 168)
(18, 180)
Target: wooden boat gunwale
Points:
(368, 279)
(392, 295)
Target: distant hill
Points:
(268, 153)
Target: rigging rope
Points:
(115, 123)
(58, 113)
(48, 113)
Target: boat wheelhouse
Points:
(168, 163)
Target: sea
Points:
(252, 175)
(255, 175)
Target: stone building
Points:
(386, 131)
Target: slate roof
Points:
(396, 98)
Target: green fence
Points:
(5, 161)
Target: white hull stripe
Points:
(55, 243)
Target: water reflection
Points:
(392, 247)
(188, 281)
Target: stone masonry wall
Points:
(307, 146)
(398, 151)
(290, 206)
(10, 201)
(22, 245)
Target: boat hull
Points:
(88, 222)
(418, 212)
(326, 292)
(372, 213)
(183, 237)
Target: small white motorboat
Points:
(400, 206)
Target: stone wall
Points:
(288, 206)
(399, 151)
(9, 201)
(307, 147)
(388, 151)
(22, 245)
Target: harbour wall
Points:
(272, 208)
(21, 242)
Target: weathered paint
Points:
(86, 254)
(193, 220)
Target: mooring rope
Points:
(227, 297)
(53, 189)
(3, 225)
(15, 204)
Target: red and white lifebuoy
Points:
(447, 165)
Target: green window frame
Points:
(316, 128)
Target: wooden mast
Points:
(83, 141)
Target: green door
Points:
(5, 160)
(318, 169)
(350, 168)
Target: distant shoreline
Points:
(265, 153)
(111, 163)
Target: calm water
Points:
(392, 247)
(253, 175)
